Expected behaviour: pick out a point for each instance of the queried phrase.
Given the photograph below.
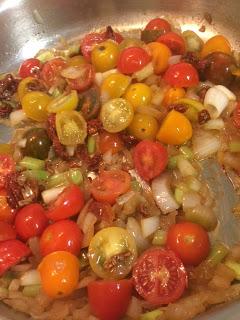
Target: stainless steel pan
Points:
(23, 33)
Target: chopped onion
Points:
(17, 116)
(107, 157)
(214, 124)
(30, 277)
(134, 308)
(72, 72)
(70, 150)
(22, 143)
(163, 194)
(21, 267)
(125, 197)
(205, 144)
(191, 200)
(158, 97)
(174, 59)
(133, 227)
(149, 225)
(99, 76)
(50, 195)
(144, 72)
(14, 285)
(231, 96)
(218, 99)
(145, 186)
(185, 167)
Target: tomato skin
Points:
(7, 214)
(150, 159)
(158, 24)
(236, 116)
(109, 185)
(68, 204)
(11, 253)
(132, 59)
(51, 71)
(174, 42)
(110, 142)
(30, 68)
(7, 165)
(189, 241)
(63, 235)
(6, 231)
(30, 221)
(109, 299)
(181, 75)
(85, 81)
(150, 280)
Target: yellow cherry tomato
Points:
(109, 245)
(116, 115)
(115, 85)
(160, 56)
(176, 129)
(71, 127)
(59, 272)
(173, 95)
(139, 95)
(6, 148)
(64, 102)
(143, 126)
(216, 44)
(23, 86)
(105, 55)
(34, 104)
(76, 61)
(130, 42)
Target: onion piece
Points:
(125, 197)
(214, 124)
(191, 200)
(163, 194)
(100, 76)
(205, 144)
(149, 225)
(218, 99)
(17, 116)
(185, 167)
(133, 227)
(30, 277)
(144, 73)
(174, 59)
(134, 309)
(50, 195)
(21, 267)
(231, 96)
(144, 185)
(70, 150)
(72, 72)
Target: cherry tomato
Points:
(160, 55)
(236, 116)
(217, 43)
(139, 95)
(109, 299)
(109, 185)
(189, 241)
(30, 68)
(159, 276)
(7, 214)
(89, 42)
(7, 165)
(30, 221)
(59, 272)
(181, 75)
(143, 126)
(68, 204)
(104, 56)
(64, 235)
(51, 71)
(158, 24)
(110, 142)
(34, 104)
(103, 212)
(115, 85)
(63, 102)
(6, 231)
(23, 86)
(132, 59)
(173, 95)
(85, 78)
(174, 42)
(150, 159)
(11, 253)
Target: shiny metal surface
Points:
(22, 36)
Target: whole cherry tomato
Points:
(158, 24)
(110, 142)
(181, 75)
(174, 42)
(30, 68)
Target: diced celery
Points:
(31, 291)
(178, 194)
(6, 279)
(218, 252)
(91, 144)
(203, 216)
(32, 163)
(159, 238)
(36, 174)
(56, 93)
(192, 114)
(72, 176)
(187, 152)
(233, 265)
(172, 161)
(193, 184)
(185, 167)
(45, 56)
(191, 103)
(76, 176)
(234, 146)
(152, 315)
(135, 185)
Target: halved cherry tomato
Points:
(110, 142)
(11, 253)
(158, 24)
(159, 276)
(6, 231)
(85, 78)
(30, 68)
(217, 43)
(236, 116)
(34, 104)
(115, 85)
(189, 241)
(174, 42)
(109, 299)
(173, 95)
(109, 185)
(181, 75)
(59, 272)
(68, 204)
(103, 212)
(7, 214)
(132, 59)
(30, 221)
(51, 71)
(7, 165)
(64, 235)
(150, 159)
(160, 55)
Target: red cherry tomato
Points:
(110, 142)
(11, 253)
(174, 42)
(103, 212)
(236, 116)
(51, 71)
(30, 221)
(6, 231)
(68, 204)
(7, 214)
(88, 43)
(109, 185)
(189, 241)
(85, 80)
(158, 24)
(150, 159)
(7, 165)
(64, 235)
(181, 75)
(132, 59)
(159, 276)
(30, 68)
(109, 299)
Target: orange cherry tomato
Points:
(172, 95)
(110, 142)
(176, 129)
(160, 56)
(7, 214)
(216, 44)
(59, 273)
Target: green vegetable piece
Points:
(151, 35)
(159, 238)
(203, 216)
(152, 315)
(32, 163)
(192, 114)
(135, 186)
(234, 146)
(193, 42)
(31, 291)
(233, 265)
(37, 174)
(75, 176)
(6, 279)
(172, 162)
(218, 252)
(193, 184)
(187, 152)
(91, 144)
(178, 194)
(72, 176)
(45, 55)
